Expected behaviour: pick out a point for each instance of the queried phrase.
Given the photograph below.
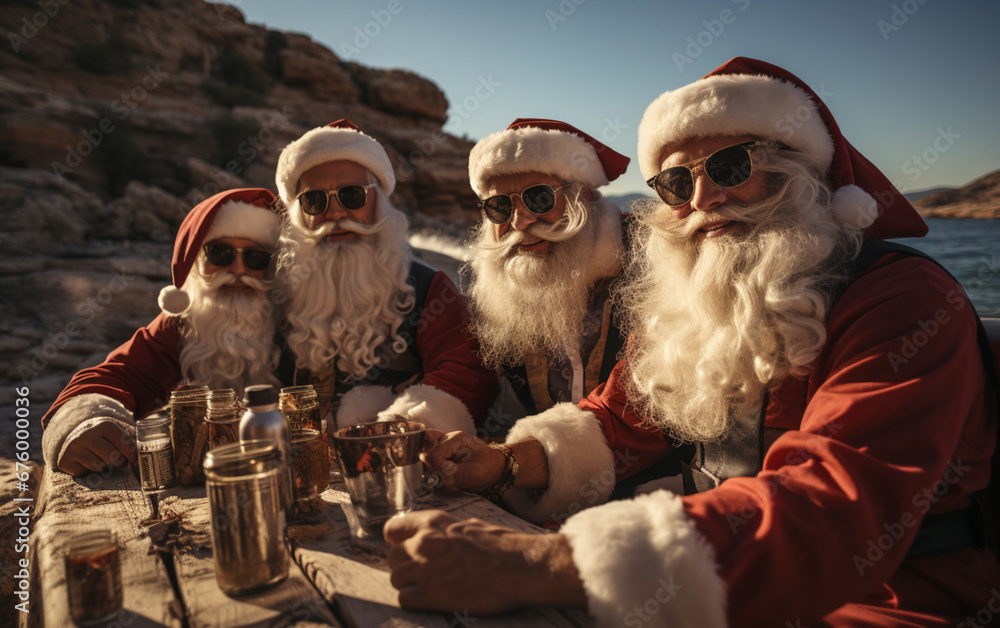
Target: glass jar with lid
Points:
(244, 485)
(311, 462)
(156, 453)
(189, 432)
(224, 411)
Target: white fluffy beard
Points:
(228, 334)
(522, 302)
(715, 321)
(346, 298)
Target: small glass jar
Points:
(189, 432)
(94, 576)
(244, 485)
(156, 453)
(311, 461)
(300, 406)
(224, 411)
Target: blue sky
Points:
(914, 84)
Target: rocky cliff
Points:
(978, 199)
(117, 116)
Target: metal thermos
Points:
(263, 421)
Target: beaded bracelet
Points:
(496, 491)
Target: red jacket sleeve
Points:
(895, 426)
(140, 373)
(450, 353)
(640, 446)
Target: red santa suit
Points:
(453, 388)
(893, 424)
(137, 377)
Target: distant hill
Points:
(624, 201)
(978, 199)
(919, 194)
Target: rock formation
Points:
(118, 116)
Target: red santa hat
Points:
(547, 147)
(241, 213)
(337, 141)
(750, 97)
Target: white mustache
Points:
(328, 228)
(222, 278)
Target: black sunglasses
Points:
(539, 199)
(224, 254)
(727, 167)
(350, 197)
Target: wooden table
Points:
(172, 582)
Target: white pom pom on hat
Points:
(241, 213)
(750, 97)
(173, 301)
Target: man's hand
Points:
(465, 462)
(96, 448)
(439, 562)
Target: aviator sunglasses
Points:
(350, 197)
(538, 199)
(224, 254)
(728, 167)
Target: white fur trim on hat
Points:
(643, 562)
(854, 207)
(326, 144)
(545, 151)
(362, 404)
(433, 407)
(732, 104)
(237, 219)
(173, 301)
(581, 465)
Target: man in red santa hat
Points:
(217, 329)
(547, 256)
(373, 330)
(840, 398)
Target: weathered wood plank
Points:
(69, 506)
(357, 581)
(293, 602)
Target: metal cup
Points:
(381, 466)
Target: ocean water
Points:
(970, 250)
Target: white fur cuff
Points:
(642, 562)
(72, 415)
(581, 465)
(362, 404)
(433, 407)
